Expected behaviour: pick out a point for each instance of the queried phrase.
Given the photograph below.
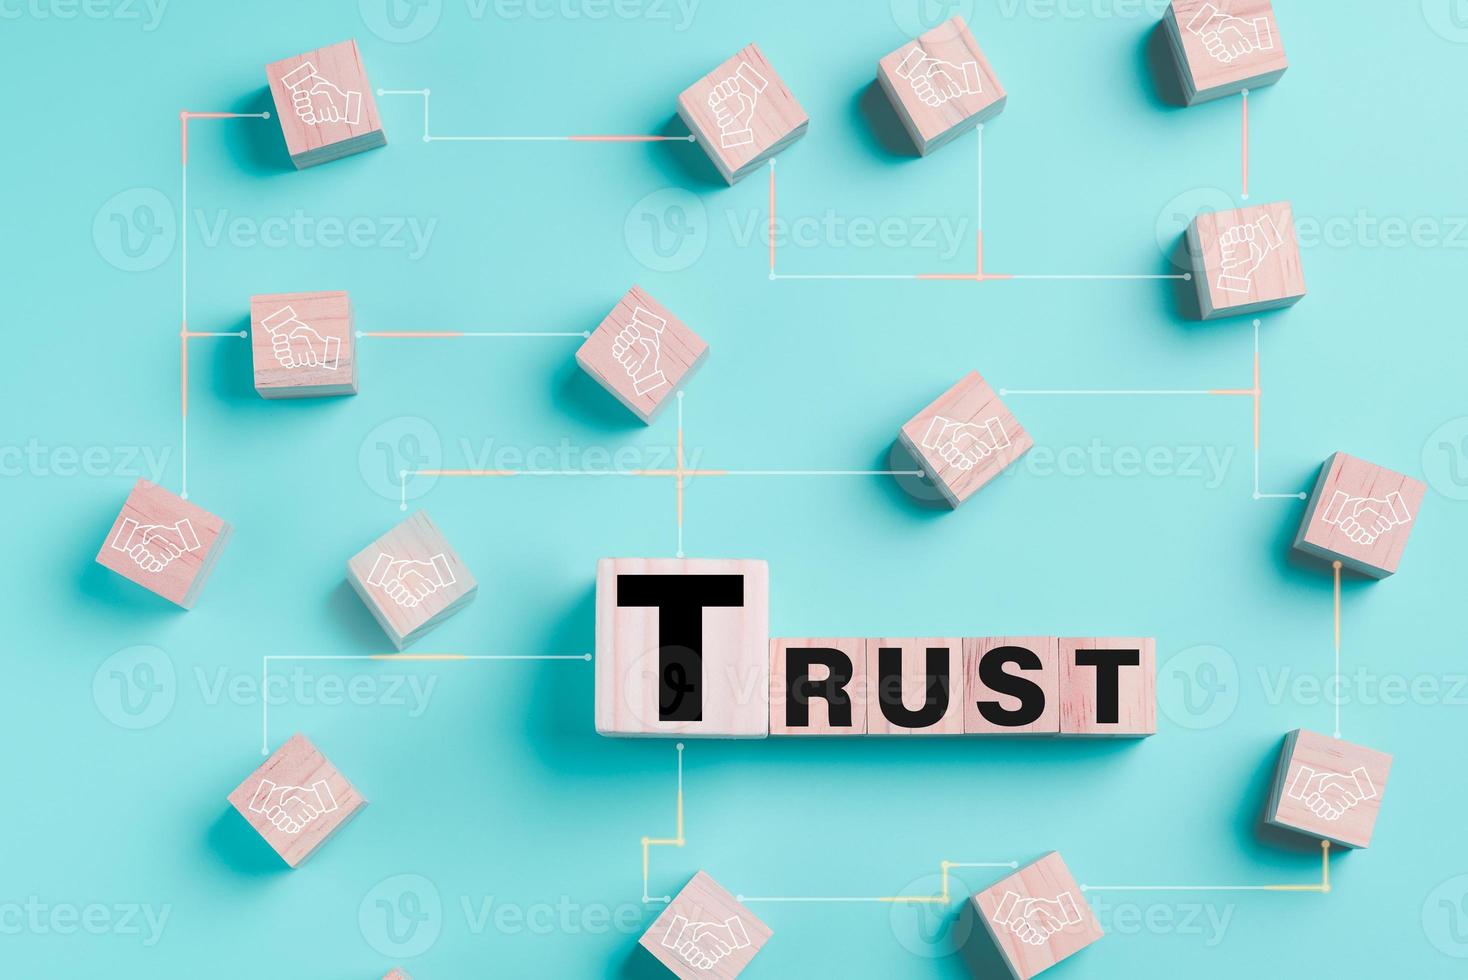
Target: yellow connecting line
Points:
(1322, 887)
(676, 841)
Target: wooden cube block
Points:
(303, 345)
(1328, 788)
(1224, 46)
(941, 85)
(915, 685)
(965, 438)
(296, 800)
(1361, 515)
(704, 933)
(397, 973)
(1246, 261)
(411, 579)
(324, 103)
(1011, 685)
(1037, 917)
(742, 114)
(1108, 685)
(164, 543)
(641, 353)
(818, 686)
(683, 647)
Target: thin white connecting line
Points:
(428, 137)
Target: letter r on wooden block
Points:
(1108, 686)
(682, 647)
(818, 687)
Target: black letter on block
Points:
(889, 688)
(680, 601)
(1108, 664)
(1031, 695)
(800, 688)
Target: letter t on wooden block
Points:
(915, 685)
(965, 438)
(818, 687)
(1108, 686)
(164, 543)
(1224, 46)
(641, 353)
(1011, 685)
(1328, 788)
(1360, 515)
(411, 580)
(303, 345)
(296, 800)
(683, 647)
(705, 933)
(742, 114)
(1037, 917)
(1246, 261)
(324, 103)
(941, 85)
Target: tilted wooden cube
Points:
(941, 85)
(1037, 917)
(324, 103)
(742, 114)
(296, 800)
(164, 543)
(1360, 515)
(705, 933)
(965, 439)
(1246, 261)
(1328, 788)
(411, 579)
(303, 345)
(642, 353)
(1222, 47)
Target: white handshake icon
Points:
(291, 808)
(638, 347)
(732, 102)
(318, 100)
(1228, 38)
(1364, 519)
(703, 944)
(1035, 920)
(965, 444)
(408, 581)
(1330, 794)
(936, 81)
(296, 344)
(153, 546)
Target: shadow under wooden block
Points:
(1011, 685)
(682, 647)
(818, 686)
(1360, 515)
(915, 686)
(1037, 917)
(296, 800)
(164, 543)
(705, 933)
(1328, 788)
(411, 579)
(1108, 686)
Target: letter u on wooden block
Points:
(1108, 686)
(916, 686)
(818, 687)
(1011, 685)
(682, 647)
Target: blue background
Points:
(497, 789)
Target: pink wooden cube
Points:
(1011, 685)
(397, 973)
(818, 686)
(411, 579)
(1224, 46)
(941, 85)
(742, 113)
(641, 353)
(1246, 261)
(303, 345)
(296, 800)
(1108, 686)
(915, 686)
(683, 647)
(1037, 917)
(965, 439)
(1328, 788)
(324, 103)
(705, 933)
(1360, 515)
(164, 543)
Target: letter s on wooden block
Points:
(916, 686)
(682, 647)
(818, 687)
(1011, 685)
(1108, 686)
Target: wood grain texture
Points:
(298, 769)
(1043, 892)
(1230, 278)
(339, 79)
(411, 579)
(1328, 788)
(703, 906)
(1136, 705)
(1349, 494)
(642, 353)
(1221, 47)
(156, 524)
(946, 65)
(819, 721)
(303, 345)
(910, 689)
(769, 121)
(969, 423)
(736, 654)
(990, 719)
